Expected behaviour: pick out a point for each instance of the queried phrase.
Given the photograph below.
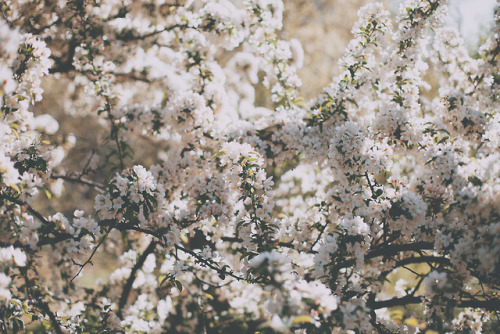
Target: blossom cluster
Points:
(168, 140)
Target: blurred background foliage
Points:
(324, 29)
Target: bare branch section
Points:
(52, 317)
(80, 180)
(491, 305)
(127, 288)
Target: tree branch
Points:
(80, 180)
(423, 259)
(394, 249)
(89, 260)
(53, 319)
(490, 305)
(390, 250)
(211, 266)
(130, 281)
(27, 206)
(234, 239)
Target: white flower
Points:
(11, 254)
(435, 281)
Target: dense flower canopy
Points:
(216, 213)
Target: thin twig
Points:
(412, 271)
(86, 168)
(370, 184)
(210, 283)
(80, 180)
(89, 260)
(418, 285)
(319, 236)
(211, 266)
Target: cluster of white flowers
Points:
(470, 321)
(212, 199)
(219, 199)
(257, 227)
(11, 254)
(5, 294)
(435, 282)
(133, 195)
(10, 257)
(24, 60)
(292, 300)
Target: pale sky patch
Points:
(472, 18)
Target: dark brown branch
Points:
(390, 250)
(211, 266)
(124, 227)
(490, 305)
(67, 65)
(323, 228)
(129, 38)
(27, 206)
(395, 302)
(370, 184)
(423, 259)
(417, 286)
(413, 271)
(234, 239)
(16, 244)
(53, 320)
(130, 281)
(132, 76)
(80, 180)
(373, 317)
(394, 249)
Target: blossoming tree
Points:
(233, 216)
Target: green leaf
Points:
(302, 319)
(178, 285)
(475, 180)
